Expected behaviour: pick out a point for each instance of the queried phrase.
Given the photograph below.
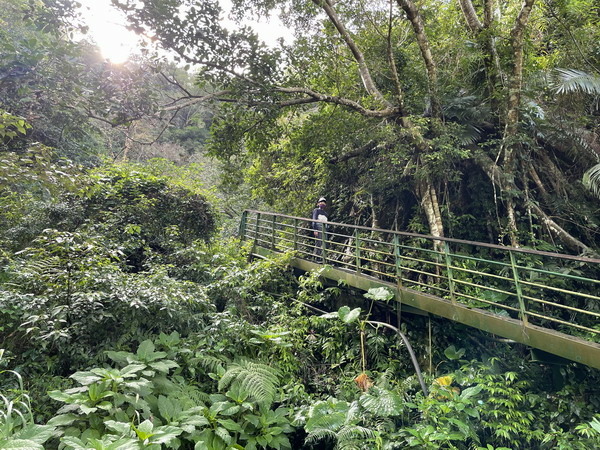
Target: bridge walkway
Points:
(548, 301)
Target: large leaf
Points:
(230, 425)
(472, 391)
(120, 357)
(20, 444)
(132, 370)
(122, 428)
(85, 378)
(63, 419)
(146, 353)
(347, 315)
(453, 354)
(164, 366)
(165, 434)
(168, 408)
(380, 294)
(145, 430)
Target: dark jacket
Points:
(319, 216)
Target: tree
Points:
(417, 123)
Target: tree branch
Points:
(394, 69)
(365, 74)
(192, 100)
(413, 15)
(514, 90)
(388, 112)
(473, 21)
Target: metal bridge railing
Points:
(551, 290)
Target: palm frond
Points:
(572, 80)
(591, 180)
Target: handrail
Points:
(436, 238)
(538, 288)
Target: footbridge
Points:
(548, 301)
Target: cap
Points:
(322, 199)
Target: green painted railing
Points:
(550, 290)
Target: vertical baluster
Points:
(257, 229)
(295, 234)
(449, 271)
(323, 242)
(273, 224)
(398, 265)
(357, 250)
(522, 306)
(398, 260)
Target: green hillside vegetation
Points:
(131, 315)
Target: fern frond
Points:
(355, 432)
(351, 445)
(382, 403)
(320, 435)
(354, 437)
(258, 380)
(572, 80)
(331, 422)
(190, 396)
(45, 266)
(354, 412)
(210, 363)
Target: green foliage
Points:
(146, 402)
(380, 294)
(11, 126)
(591, 179)
(17, 427)
(577, 81)
(147, 209)
(339, 423)
(85, 259)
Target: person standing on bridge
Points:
(319, 225)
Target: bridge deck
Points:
(545, 300)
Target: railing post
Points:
(243, 224)
(256, 229)
(397, 260)
(357, 250)
(295, 234)
(449, 271)
(398, 265)
(273, 223)
(513, 264)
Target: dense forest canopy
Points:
(132, 317)
(401, 111)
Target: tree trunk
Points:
(429, 201)
(510, 145)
